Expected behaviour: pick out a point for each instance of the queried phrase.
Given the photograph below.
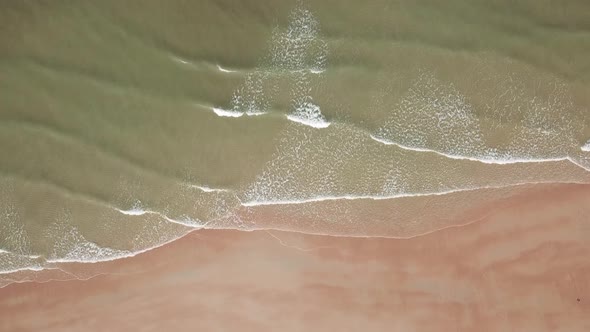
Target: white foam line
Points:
(177, 59)
(255, 113)
(311, 123)
(204, 226)
(577, 163)
(192, 64)
(122, 254)
(324, 124)
(226, 113)
(221, 69)
(378, 198)
(208, 189)
(192, 224)
(183, 61)
(112, 258)
(235, 114)
(28, 268)
(186, 222)
(2, 251)
(458, 157)
(128, 254)
(134, 212)
(296, 71)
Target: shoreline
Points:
(522, 266)
(475, 213)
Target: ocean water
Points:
(125, 125)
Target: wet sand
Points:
(523, 267)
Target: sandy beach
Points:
(524, 267)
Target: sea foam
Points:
(223, 70)
(227, 113)
(315, 123)
(499, 160)
(317, 199)
(435, 117)
(295, 54)
(207, 189)
(185, 221)
(309, 114)
(133, 211)
(301, 50)
(89, 252)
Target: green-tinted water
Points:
(124, 125)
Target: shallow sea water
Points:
(124, 126)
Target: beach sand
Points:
(522, 266)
